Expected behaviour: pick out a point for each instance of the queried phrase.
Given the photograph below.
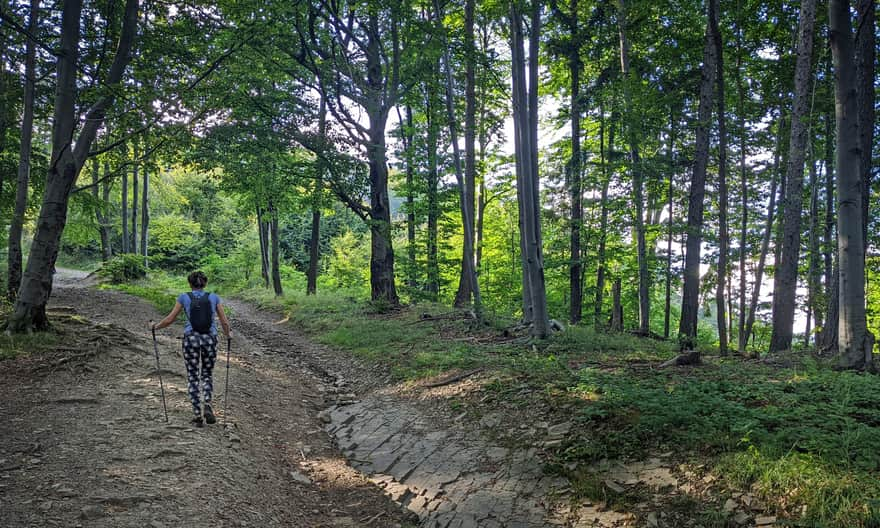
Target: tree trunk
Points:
(638, 184)
(382, 286)
(66, 161)
(603, 215)
(276, 253)
(723, 232)
(855, 342)
(765, 243)
(100, 217)
(744, 195)
(814, 277)
(24, 162)
(690, 304)
(432, 286)
(107, 250)
(865, 56)
(145, 209)
(827, 341)
(787, 267)
(411, 280)
(525, 113)
(468, 286)
(616, 322)
(264, 246)
(134, 196)
(126, 239)
(314, 252)
(574, 171)
(315, 239)
(670, 155)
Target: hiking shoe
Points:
(197, 422)
(209, 415)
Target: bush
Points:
(124, 268)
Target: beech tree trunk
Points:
(134, 196)
(525, 114)
(14, 258)
(690, 303)
(744, 196)
(276, 252)
(100, 216)
(616, 322)
(670, 155)
(411, 280)
(765, 243)
(865, 57)
(315, 238)
(787, 267)
(126, 240)
(66, 161)
(145, 208)
(827, 340)
(855, 342)
(638, 183)
(468, 286)
(575, 192)
(814, 273)
(603, 215)
(264, 246)
(432, 287)
(723, 231)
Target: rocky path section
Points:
(448, 479)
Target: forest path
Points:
(83, 440)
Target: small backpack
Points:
(201, 316)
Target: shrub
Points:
(124, 267)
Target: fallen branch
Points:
(688, 358)
(453, 379)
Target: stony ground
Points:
(308, 437)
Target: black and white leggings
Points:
(199, 350)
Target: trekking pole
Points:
(226, 392)
(159, 370)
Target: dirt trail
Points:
(83, 441)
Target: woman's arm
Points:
(224, 321)
(170, 318)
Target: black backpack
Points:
(201, 316)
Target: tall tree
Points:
(723, 232)
(787, 267)
(765, 242)
(69, 153)
(525, 111)
(24, 160)
(360, 59)
(468, 275)
(635, 167)
(855, 342)
(691, 292)
(866, 56)
(465, 188)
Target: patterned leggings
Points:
(199, 348)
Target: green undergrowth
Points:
(805, 438)
(22, 345)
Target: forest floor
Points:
(334, 420)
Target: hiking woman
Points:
(199, 340)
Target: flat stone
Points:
(91, 512)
